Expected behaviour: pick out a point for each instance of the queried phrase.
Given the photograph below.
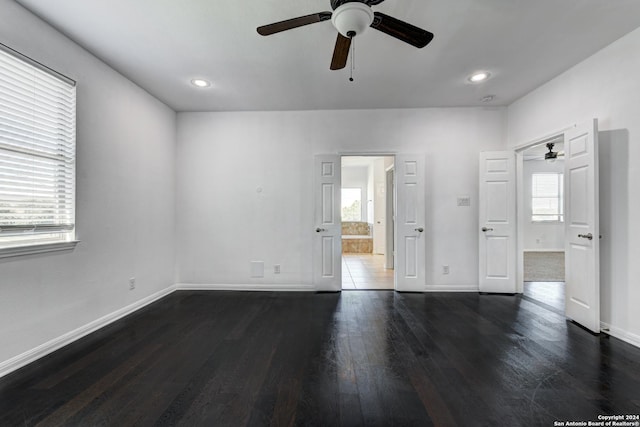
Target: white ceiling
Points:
(162, 44)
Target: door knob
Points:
(485, 229)
(419, 229)
(320, 229)
(587, 236)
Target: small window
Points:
(547, 198)
(37, 153)
(352, 204)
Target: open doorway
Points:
(541, 224)
(367, 222)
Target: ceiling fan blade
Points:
(340, 53)
(401, 30)
(276, 27)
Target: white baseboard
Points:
(621, 334)
(249, 287)
(278, 287)
(543, 250)
(452, 288)
(42, 350)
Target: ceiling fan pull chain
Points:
(353, 57)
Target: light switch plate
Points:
(464, 201)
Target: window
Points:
(352, 204)
(547, 197)
(37, 154)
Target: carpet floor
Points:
(544, 266)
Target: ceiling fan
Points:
(536, 153)
(551, 155)
(351, 18)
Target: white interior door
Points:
(379, 209)
(582, 245)
(389, 250)
(327, 253)
(410, 215)
(497, 222)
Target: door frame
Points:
(390, 244)
(521, 216)
(390, 153)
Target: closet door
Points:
(410, 244)
(327, 252)
(497, 222)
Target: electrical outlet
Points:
(445, 269)
(132, 283)
(276, 269)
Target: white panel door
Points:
(389, 250)
(497, 222)
(327, 253)
(582, 245)
(410, 216)
(379, 213)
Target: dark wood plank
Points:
(356, 358)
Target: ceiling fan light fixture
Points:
(352, 18)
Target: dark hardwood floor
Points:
(356, 358)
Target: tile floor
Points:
(365, 271)
(551, 294)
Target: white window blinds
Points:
(37, 153)
(547, 197)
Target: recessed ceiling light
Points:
(478, 77)
(200, 83)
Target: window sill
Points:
(37, 249)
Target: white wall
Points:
(222, 158)
(125, 200)
(605, 86)
(540, 236)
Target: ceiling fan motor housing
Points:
(337, 3)
(551, 156)
(352, 18)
